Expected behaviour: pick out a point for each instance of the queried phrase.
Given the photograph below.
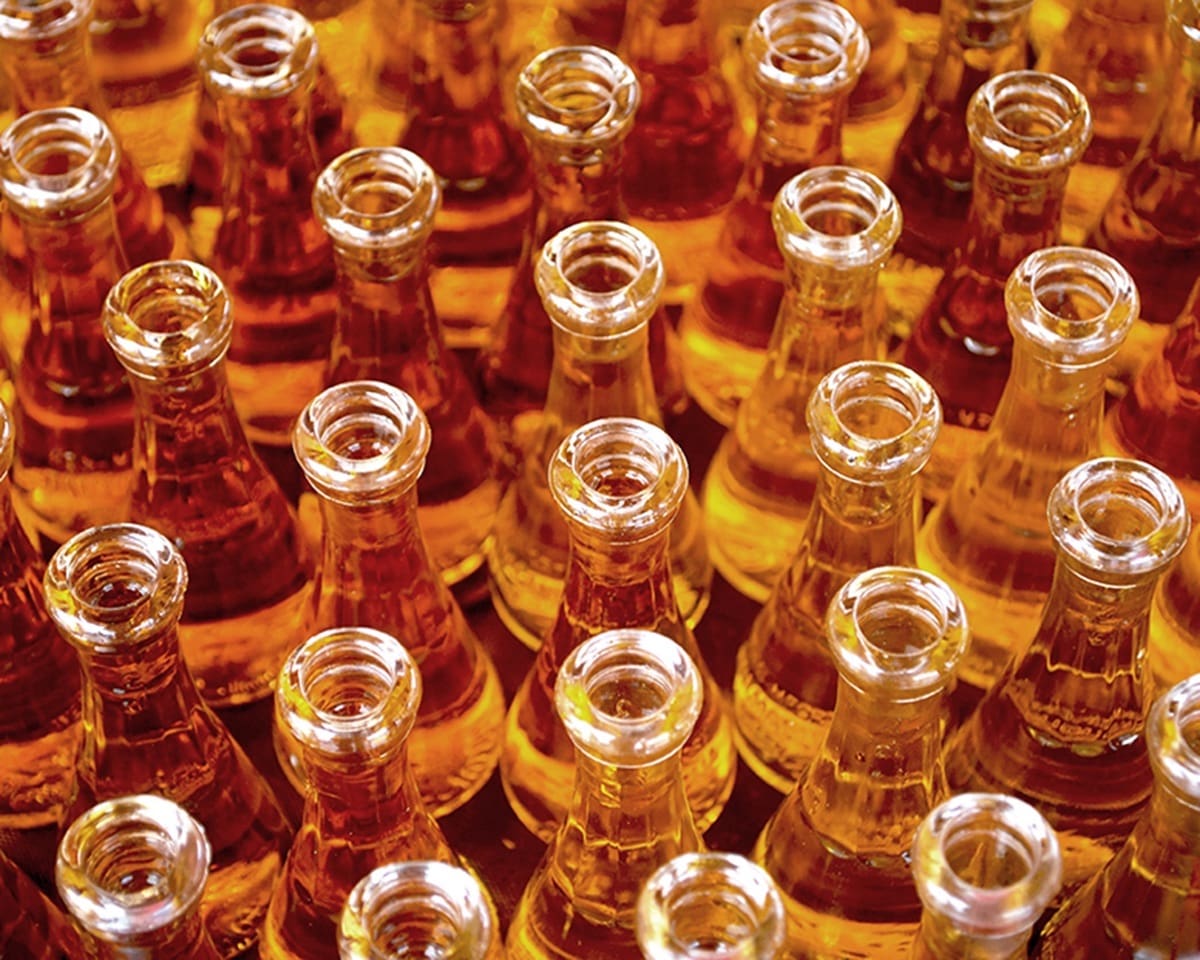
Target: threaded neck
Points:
(258, 52)
(801, 49)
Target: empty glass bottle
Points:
(1026, 130)
(703, 906)
(871, 427)
(836, 227)
(132, 872)
(600, 281)
(31, 927)
(803, 58)
(362, 446)
(425, 908)
(378, 206)
(1068, 310)
(839, 845)
(628, 700)
(116, 593)
(1146, 901)
(348, 698)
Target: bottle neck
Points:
(939, 939)
(366, 797)
(455, 62)
(63, 78)
(856, 526)
(185, 939)
(569, 189)
(607, 582)
(669, 35)
(792, 136)
(1176, 137)
(183, 423)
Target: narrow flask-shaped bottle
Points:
(1069, 310)
(378, 206)
(116, 593)
(836, 227)
(362, 445)
(628, 700)
(871, 427)
(600, 282)
(132, 871)
(618, 484)
(32, 928)
(803, 57)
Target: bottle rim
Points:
(577, 96)
(1173, 741)
(258, 51)
(1029, 122)
(24, 22)
(802, 49)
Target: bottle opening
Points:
(805, 48)
(41, 20)
(1029, 122)
(580, 94)
(841, 218)
(60, 163)
(258, 51)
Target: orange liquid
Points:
(31, 928)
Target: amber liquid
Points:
(31, 928)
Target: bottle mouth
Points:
(1173, 739)
(1120, 519)
(897, 633)
(377, 199)
(361, 442)
(112, 587)
(621, 477)
(258, 51)
(40, 21)
(419, 909)
(628, 698)
(58, 164)
(990, 863)
(132, 866)
(1029, 122)
(582, 97)
(710, 906)
(873, 421)
(168, 319)
(805, 48)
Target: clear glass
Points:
(348, 699)
(986, 867)
(378, 205)
(628, 700)
(362, 446)
(803, 58)
(836, 227)
(34, 928)
(710, 906)
(600, 282)
(132, 872)
(116, 593)
(1068, 309)
(1061, 727)
(197, 480)
(839, 846)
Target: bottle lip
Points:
(58, 164)
(389, 895)
(1029, 122)
(628, 698)
(840, 218)
(873, 421)
(131, 866)
(169, 319)
(115, 586)
(897, 633)
(599, 279)
(362, 441)
(1001, 826)
(377, 199)
(1173, 740)
(691, 884)
(801, 49)
(577, 96)
(258, 51)
(22, 21)
(640, 459)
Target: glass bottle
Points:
(703, 906)
(197, 480)
(73, 413)
(378, 206)
(839, 845)
(618, 484)
(1026, 130)
(871, 427)
(684, 156)
(348, 699)
(425, 908)
(803, 57)
(628, 700)
(31, 927)
(116, 592)
(1068, 309)
(362, 446)
(383, 103)
(1146, 901)
(458, 124)
(836, 227)
(132, 872)
(600, 282)
(1061, 728)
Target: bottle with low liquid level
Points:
(628, 700)
(31, 927)
(803, 57)
(839, 845)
